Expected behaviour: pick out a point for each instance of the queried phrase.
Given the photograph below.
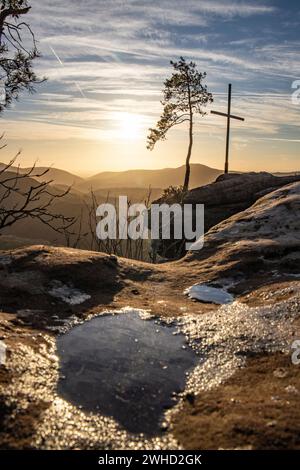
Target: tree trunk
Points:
(187, 163)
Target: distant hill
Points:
(200, 175)
(59, 177)
(287, 173)
(134, 182)
(137, 180)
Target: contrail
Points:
(278, 139)
(58, 58)
(80, 89)
(61, 63)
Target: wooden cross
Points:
(228, 116)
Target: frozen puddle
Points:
(125, 367)
(206, 293)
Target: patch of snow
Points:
(2, 353)
(292, 389)
(210, 294)
(5, 260)
(68, 294)
(280, 373)
(271, 218)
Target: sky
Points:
(106, 61)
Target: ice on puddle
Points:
(206, 293)
(136, 391)
(2, 353)
(68, 294)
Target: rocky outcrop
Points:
(228, 195)
(264, 238)
(233, 193)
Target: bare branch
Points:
(22, 196)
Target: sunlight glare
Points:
(130, 126)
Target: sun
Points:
(130, 126)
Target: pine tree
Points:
(18, 49)
(184, 96)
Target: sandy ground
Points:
(249, 406)
(244, 393)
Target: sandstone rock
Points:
(264, 237)
(228, 195)
(242, 343)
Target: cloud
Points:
(233, 8)
(103, 58)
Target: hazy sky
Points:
(106, 61)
